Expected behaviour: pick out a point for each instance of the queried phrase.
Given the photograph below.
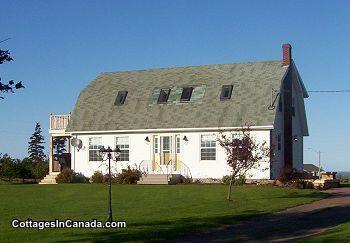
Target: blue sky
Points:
(60, 46)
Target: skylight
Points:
(186, 94)
(120, 100)
(226, 92)
(163, 95)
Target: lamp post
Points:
(319, 161)
(108, 151)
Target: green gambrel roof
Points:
(252, 84)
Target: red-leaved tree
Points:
(243, 153)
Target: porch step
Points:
(49, 179)
(159, 179)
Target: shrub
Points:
(66, 176)
(97, 177)
(226, 179)
(80, 178)
(40, 169)
(128, 176)
(186, 180)
(344, 179)
(236, 181)
(69, 176)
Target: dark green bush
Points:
(236, 181)
(344, 179)
(40, 169)
(186, 180)
(69, 176)
(80, 178)
(128, 176)
(66, 176)
(97, 177)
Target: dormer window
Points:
(121, 97)
(163, 96)
(186, 94)
(226, 92)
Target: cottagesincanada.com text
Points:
(67, 223)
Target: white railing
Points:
(59, 122)
(150, 167)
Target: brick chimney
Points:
(287, 54)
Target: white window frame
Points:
(123, 148)
(94, 147)
(208, 147)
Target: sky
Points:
(60, 46)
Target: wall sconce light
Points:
(295, 139)
(185, 139)
(147, 139)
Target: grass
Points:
(339, 234)
(151, 212)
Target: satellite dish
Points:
(77, 143)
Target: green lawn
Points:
(339, 234)
(151, 212)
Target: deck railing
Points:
(59, 122)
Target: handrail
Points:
(147, 166)
(183, 168)
(167, 166)
(188, 168)
(59, 122)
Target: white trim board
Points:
(161, 130)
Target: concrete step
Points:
(153, 182)
(159, 179)
(49, 179)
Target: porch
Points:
(172, 172)
(60, 144)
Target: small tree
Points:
(243, 153)
(36, 148)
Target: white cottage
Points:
(166, 121)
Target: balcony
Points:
(58, 123)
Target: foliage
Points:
(97, 177)
(40, 169)
(236, 181)
(69, 176)
(8, 87)
(186, 180)
(128, 176)
(23, 169)
(7, 167)
(344, 179)
(80, 178)
(59, 145)
(35, 147)
(243, 153)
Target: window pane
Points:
(186, 94)
(163, 95)
(123, 145)
(208, 147)
(95, 143)
(226, 92)
(121, 97)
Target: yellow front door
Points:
(165, 150)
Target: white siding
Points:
(190, 154)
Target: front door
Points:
(165, 150)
